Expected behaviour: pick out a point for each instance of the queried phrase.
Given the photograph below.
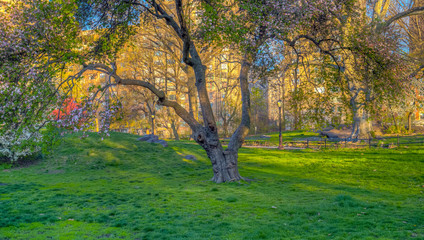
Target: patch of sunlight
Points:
(108, 156)
(92, 154)
(114, 144)
(317, 189)
(189, 161)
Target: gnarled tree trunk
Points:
(224, 162)
(360, 127)
(361, 124)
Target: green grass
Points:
(292, 136)
(300, 135)
(274, 137)
(123, 189)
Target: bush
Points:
(393, 130)
(26, 145)
(14, 146)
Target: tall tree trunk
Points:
(153, 125)
(395, 122)
(175, 131)
(192, 96)
(225, 127)
(360, 126)
(224, 163)
(410, 114)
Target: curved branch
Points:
(132, 82)
(186, 116)
(317, 43)
(407, 13)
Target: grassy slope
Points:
(121, 188)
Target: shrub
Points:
(14, 146)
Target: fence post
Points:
(345, 142)
(307, 143)
(369, 142)
(325, 143)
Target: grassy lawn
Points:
(272, 138)
(292, 136)
(120, 188)
(300, 135)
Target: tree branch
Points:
(407, 13)
(186, 116)
(415, 73)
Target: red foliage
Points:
(68, 106)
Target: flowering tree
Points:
(33, 47)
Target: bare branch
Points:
(407, 13)
(186, 116)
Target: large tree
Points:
(246, 24)
(377, 73)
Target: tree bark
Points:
(224, 164)
(360, 126)
(153, 125)
(410, 114)
(175, 131)
(225, 127)
(395, 122)
(192, 98)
